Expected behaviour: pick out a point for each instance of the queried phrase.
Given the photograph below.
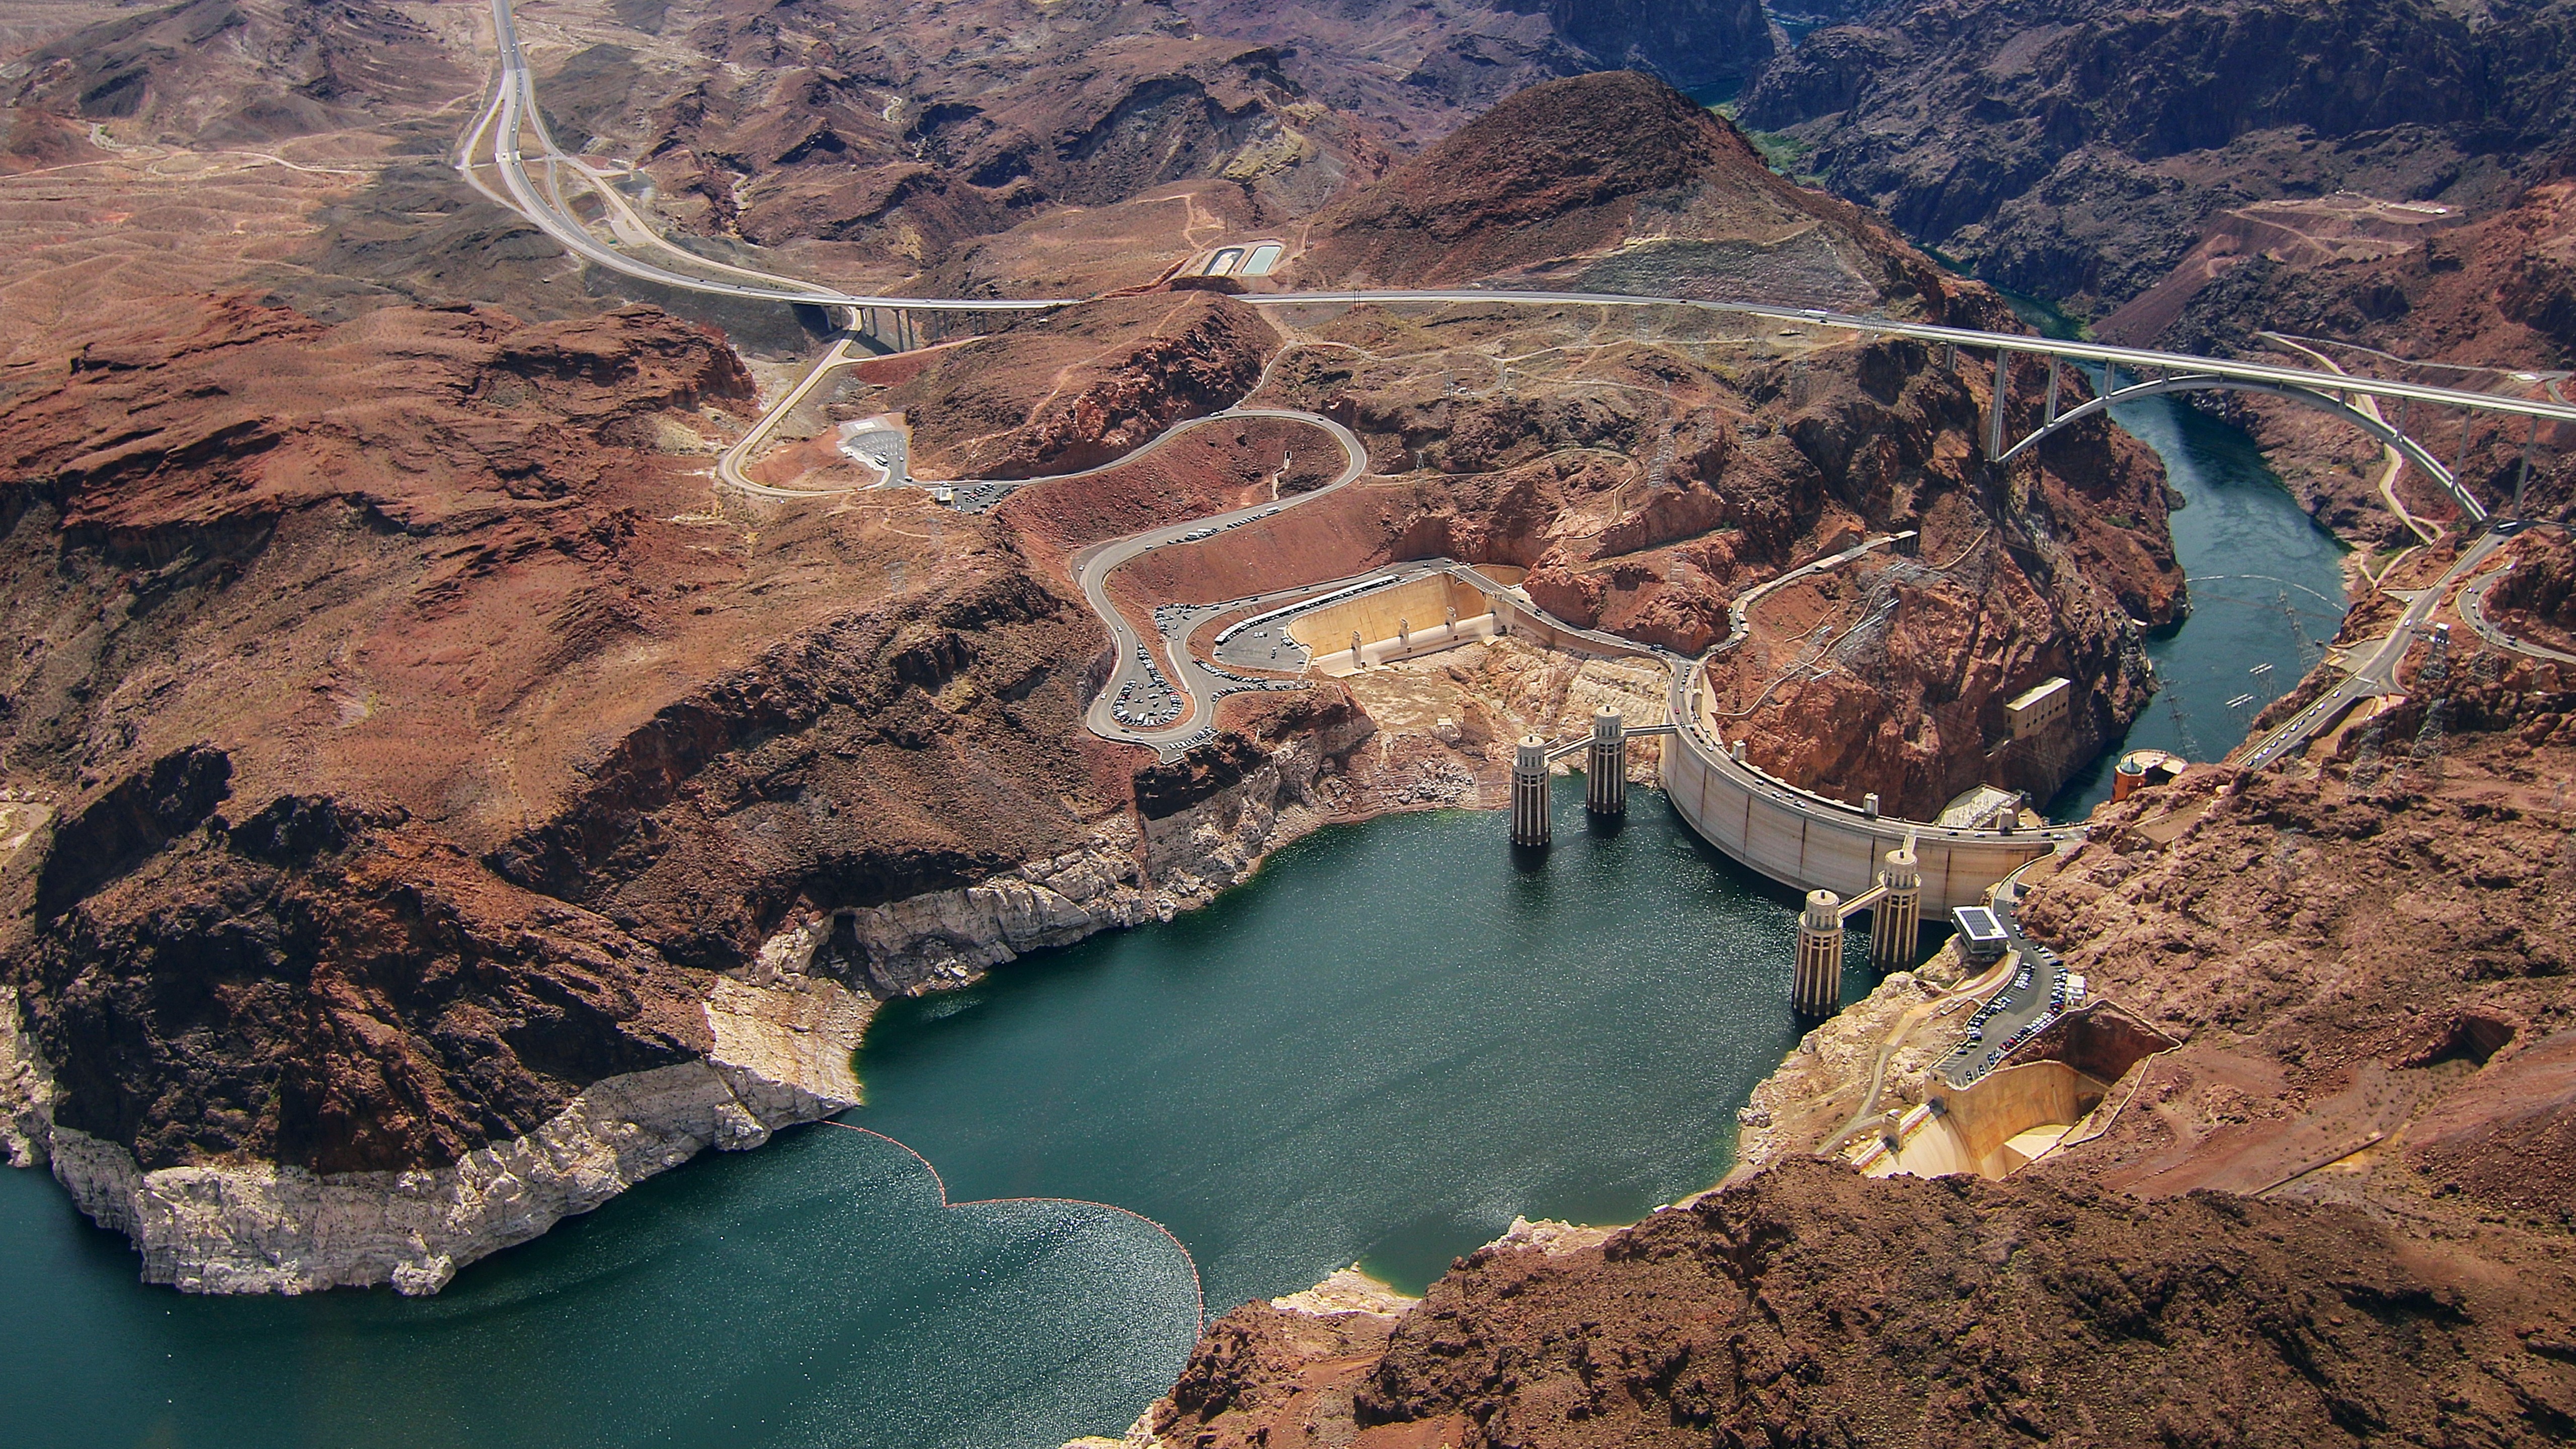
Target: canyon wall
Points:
(2077, 149)
(2333, 1179)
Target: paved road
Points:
(513, 111)
(2373, 676)
(729, 463)
(1139, 668)
(2392, 462)
(514, 106)
(2473, 607)
(2028, 1002)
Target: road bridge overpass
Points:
(1801, 839)
(512, 119)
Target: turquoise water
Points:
(811, 1293)
(1392, 1041)
(1387, 1045)
(2266, 588)
(2266, 584)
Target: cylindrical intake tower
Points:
(1605, 767)
(1529, 792)
(1898, 921)
(1818, 989)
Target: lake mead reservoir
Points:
(1391, 1042)
(1382, 1049)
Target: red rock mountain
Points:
(2077, 149)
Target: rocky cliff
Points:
(1618, 183)
(2077, 149)
(454, 809)
(1419, 70)
(1645, 480)
(2470, 301)
(1812, 1305)
(2334, 1181)
(437, 778)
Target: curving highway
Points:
(2473, 607)
(2373, 676)
(513, 110)
(1795, 836)
(1137, 672)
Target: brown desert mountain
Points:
(2078, 149)
(435, 803)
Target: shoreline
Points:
(785, 1038)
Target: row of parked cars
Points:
(1150, 704)
(1213, 530)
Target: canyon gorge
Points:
(482, 729)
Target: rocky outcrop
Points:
(1812, 1305)
(1123, 875)
(1617, 182)
(1083, 387)
(1417, 70)
(2332, 1173)
(781, 1056)
(223, 73)
(2076, 149)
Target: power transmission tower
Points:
(2433, 680)
(2365, 760)
(2310, 651)
(2182, 725)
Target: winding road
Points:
(1827, 840)
(1136, 665)
(2373, 676)
(2473, 607)
(513, 109)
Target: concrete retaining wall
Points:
(1423, 602)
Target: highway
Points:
(2392, 462)
(513, 109)
(2373, 676)
(729, 463)
(2473, 607)
(1137, 674)
(1835, 844)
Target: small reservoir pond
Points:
(1382, 1049)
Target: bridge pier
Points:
(1605, 769)
(1529, 792)
(1817, 989)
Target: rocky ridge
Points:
(436, 762)
(2336, 1181)
(2078, 149)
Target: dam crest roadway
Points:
(1802, 839)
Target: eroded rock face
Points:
(1082, 387)
(890, 136)
(778, 1055)
(2494, 291)
(438, 762)
(1616, 182)
(2074, 149)
(229, 74)
(1810, 1304)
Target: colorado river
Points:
(2264, 576)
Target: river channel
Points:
(1390, 1043)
